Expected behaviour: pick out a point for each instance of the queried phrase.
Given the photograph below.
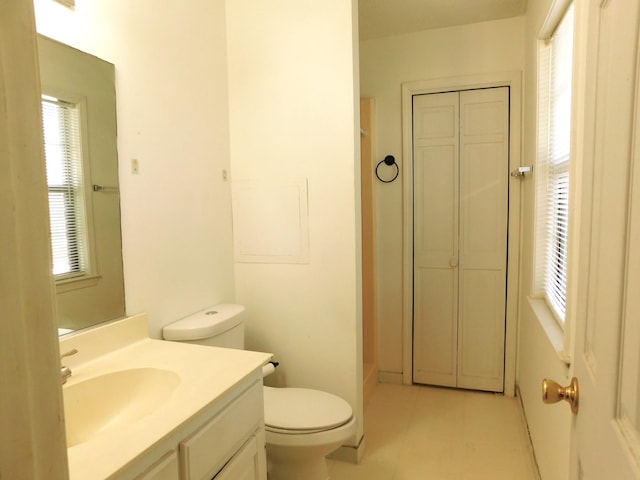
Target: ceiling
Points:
(382, 18)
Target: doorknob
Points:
(453, 262)
(552, 392)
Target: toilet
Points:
(302, 425)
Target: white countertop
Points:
(206, 374)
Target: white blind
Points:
(554, 153)
(63, 155)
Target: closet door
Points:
(484, 193)
(460, 237)
(435, 244)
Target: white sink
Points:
(115, 399)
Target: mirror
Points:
(79, 124)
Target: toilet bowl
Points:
(302, 425)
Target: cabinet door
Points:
(245, 465)
(164, 469)
(204, 453)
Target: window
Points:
(63, 154)
(555, 69)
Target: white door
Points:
(605, 434)
(435, 244)
(461, 164)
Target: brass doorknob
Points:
(552, 392)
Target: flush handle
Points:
(553, 392)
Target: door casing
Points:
(512, 79)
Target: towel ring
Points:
(388, 160)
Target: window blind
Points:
(63, 155)
(554, 153)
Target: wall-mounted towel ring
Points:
(388, 160)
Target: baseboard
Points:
(370, 376)
(349, 453)
(390, 377)
(532, 452)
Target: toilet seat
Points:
(303, 411)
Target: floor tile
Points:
(421, 432)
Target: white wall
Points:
(171, 83)
(549, 425)
(292, 77)
(385, 64)
(294, 114)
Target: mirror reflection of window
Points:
(68, 220)
(79, 123)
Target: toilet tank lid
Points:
(205, 323)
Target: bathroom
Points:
(172, 87)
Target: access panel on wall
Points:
(461, 173)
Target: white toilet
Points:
(302, 426)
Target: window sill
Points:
(77, 283)
(551, 328)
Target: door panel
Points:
(437, 204)
(483, 204)
(629, 412)
(435, 238)
(436, 334)
(481, 330)
(484, 194)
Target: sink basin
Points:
(113, 400)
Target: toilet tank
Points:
(218, 326)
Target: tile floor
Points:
(429, 433)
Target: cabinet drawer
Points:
(204, 453)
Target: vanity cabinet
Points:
(224, 442)
(209, 425)
(231, 445)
